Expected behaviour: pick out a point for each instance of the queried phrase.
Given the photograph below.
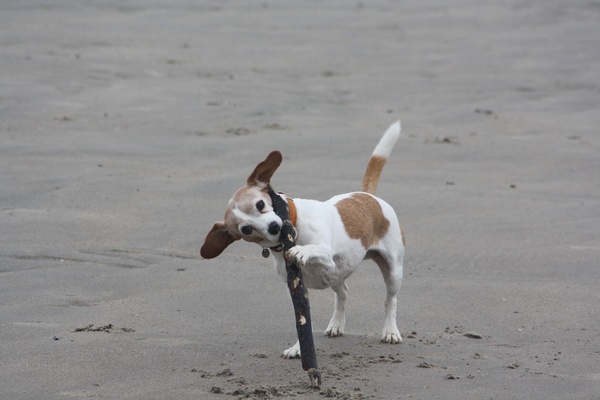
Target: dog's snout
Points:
(274, 228)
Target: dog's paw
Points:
(391, 336)
(335, 328)
(292, 352)
(298, 255)
(334, 332)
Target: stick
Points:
(298, 293)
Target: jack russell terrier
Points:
(332, 237)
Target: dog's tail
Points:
(379, 157)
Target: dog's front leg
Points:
(292, 352)
(311, 254)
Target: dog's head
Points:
(249, 215)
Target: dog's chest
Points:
(334, 254)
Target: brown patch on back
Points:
(363, 219)
(372, 174)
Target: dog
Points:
(332, 237)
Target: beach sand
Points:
(126, 127)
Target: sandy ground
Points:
(126, 125)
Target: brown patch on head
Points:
(363, 219)
(245, 198)
(372, 174)
(231, 222)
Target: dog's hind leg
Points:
(391, 269)
(338, 320)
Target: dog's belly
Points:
(318, 276)
(317, 280)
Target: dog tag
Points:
(265, 252)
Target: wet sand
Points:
(126, 126)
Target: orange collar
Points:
(293, 213)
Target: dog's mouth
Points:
(263, 242)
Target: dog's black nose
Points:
(274, 228)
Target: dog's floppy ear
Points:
(261, 176)
(216, 241)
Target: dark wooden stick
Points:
(298, 292)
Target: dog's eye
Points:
(260, 205)
(246, 230)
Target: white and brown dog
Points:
(333, 237)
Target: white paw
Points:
(334, 332)
(391, 336)
(292, 352)
(335, 328)
(298, 255)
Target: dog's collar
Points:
(293, 212)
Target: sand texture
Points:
(125, 126)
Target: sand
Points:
(126, 126)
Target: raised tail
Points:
(379, 157)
